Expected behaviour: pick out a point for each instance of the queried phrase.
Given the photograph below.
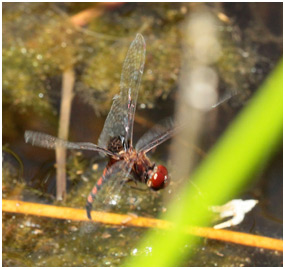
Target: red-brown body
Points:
(116, 138)
(142, 169)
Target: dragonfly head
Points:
(159, 178)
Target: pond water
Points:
(43, 40)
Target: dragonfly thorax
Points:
(117, 144)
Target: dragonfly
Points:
(126, 162)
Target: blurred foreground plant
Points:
(246, 146)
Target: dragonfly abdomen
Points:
(94, 191)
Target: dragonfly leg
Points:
(139, 189)
(126, 181)
(133, 187)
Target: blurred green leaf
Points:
(245, 146)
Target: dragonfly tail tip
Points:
(88, 210)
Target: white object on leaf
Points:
(236, 208)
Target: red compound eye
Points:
(159, 178)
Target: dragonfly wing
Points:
(114, 188)
(51, 142)
(164, 130)
(109, 195)
(120, 119)
(157, 135)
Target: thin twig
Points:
(84, 17)
(66, 100)
(68, 77)
(14, 206)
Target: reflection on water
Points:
(40, 43)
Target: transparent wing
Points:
(165, 130)
(50, 142)
(157, 135)
(110, 196)
(120, 119)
